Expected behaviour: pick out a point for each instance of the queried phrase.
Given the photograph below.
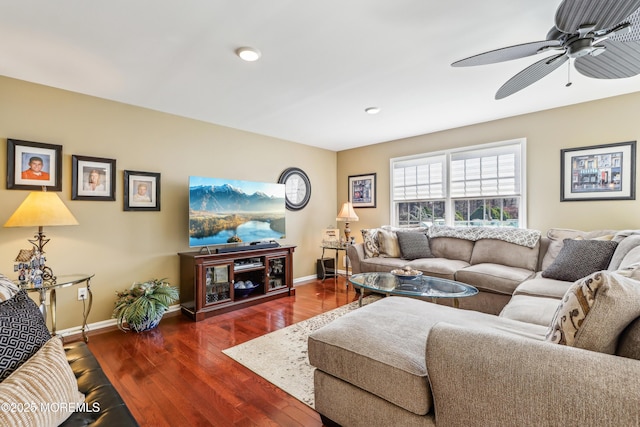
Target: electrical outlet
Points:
(82, 294)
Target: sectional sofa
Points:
(553, 338)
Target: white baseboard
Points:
(176, 307)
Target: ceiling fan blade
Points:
(572, 14)
(507, 53)
(632, 33)
(619, 60)
(530, 75)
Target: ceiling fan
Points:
(601, 36)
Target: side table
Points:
(62, 282)
(334, 272)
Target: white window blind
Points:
(474, 186)
(486, 172)
(419, 179)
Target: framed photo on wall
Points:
(362, 190)
(33, 165)
(599, 172)
(141, 191)
(93, 178)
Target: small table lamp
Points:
(41, 208)
(347, 214)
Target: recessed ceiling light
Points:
(372, 110)
(248, 54)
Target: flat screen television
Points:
(220, 209)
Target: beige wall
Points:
(123, 247)
(600, 122)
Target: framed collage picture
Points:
(33, 165)
(362, 190)
(599, 172)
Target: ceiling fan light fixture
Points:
(372, 110)
(248, 54)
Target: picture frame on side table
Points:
(331, 237)
(33, 165)
(598, 172)
(93, 178)
(362, 190)
(141, 191)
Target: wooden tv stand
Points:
(207, 280)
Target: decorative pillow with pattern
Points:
(580, 258)
(370, 238)
(388, 244)
(22, 332)
(595, 311)
(7, 288)
(46, 378)
(414, 245)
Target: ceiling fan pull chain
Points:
(568, 73)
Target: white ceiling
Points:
(323, 62)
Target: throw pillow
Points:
(414, 245)
(22, 332)
(7, 288)
(388, 243)
(46, 388)
(594, 311)
(370, 238)
(580, 258)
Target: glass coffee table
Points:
(426, 287)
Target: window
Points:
(474, 186)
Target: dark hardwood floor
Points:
(176, 375)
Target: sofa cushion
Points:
(631, 259)
(378, 264)
(45, 378)
(580, 258)
(537, 310)
(388, 244)
(451, 248)
(496, 278)
(629, 343)
(500, 252)
(438, 267)
(380, 347)
(414, 245)
(370, 239)
(594, 312)
(543, 287)
(22, 332)
(625, 246)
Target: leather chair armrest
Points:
(105, 406)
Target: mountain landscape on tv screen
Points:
(229, 213)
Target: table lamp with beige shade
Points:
(347, 214)
(39, 209)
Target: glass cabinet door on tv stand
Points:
(277, 272)
(218, 284)
(213, 283)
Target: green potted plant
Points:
(142, 306)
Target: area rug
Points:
(288, 346)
